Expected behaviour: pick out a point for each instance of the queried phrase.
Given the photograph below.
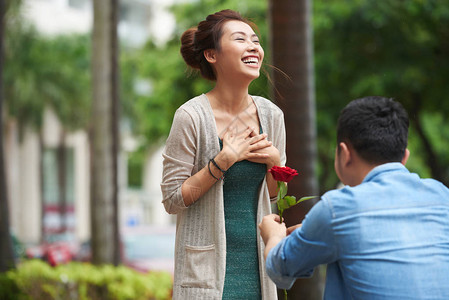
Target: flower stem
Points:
(285, 295)
(280, 210)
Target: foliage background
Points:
(361, 47)
(35, 279)
(391, 48)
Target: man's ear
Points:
(406, 156)
(209, 55)
(345, 154)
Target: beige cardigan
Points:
(200, 251)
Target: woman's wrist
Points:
(224, 161)
(273, 162)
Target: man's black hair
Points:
(376, 127)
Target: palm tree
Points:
(6, 249)
(34, 80)
(69, 99)
(291, 46)
(104, 134)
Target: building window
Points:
(58, 211)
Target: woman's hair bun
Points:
(188, 48)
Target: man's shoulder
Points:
(345, 199)
(340, 193)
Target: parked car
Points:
(149, 248)
(143, 248)
(56, 249)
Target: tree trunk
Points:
(291, 33)
(6, 249)
(104, 186)
(115, 94)
(43, 237)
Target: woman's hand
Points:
(273, 158)
(245, 145)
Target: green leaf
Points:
(282, 204)
(305, 198)
(291, 200)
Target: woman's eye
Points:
(240, 39)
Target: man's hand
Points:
(293, 228)
(272, 232)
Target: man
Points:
(385, 235)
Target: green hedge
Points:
(35, 279)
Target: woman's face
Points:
(240, 52)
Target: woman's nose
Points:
(252, 47)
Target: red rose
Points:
(283, 173)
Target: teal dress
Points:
(241, 194)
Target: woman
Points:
(216, 159)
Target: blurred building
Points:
(26, 157)
(138, 19)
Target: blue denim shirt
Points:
(387, 238)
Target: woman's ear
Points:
(406, 156)
(209, 55)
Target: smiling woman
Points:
(240, 54)
(216, 158)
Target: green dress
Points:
(241, 194)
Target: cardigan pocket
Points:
(199, 267)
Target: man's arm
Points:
(273, 232)
(296, 255)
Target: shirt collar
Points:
(388, 167)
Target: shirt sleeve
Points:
(305, 248)
(178, 161)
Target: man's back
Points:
(383, 236)
(391, 235)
